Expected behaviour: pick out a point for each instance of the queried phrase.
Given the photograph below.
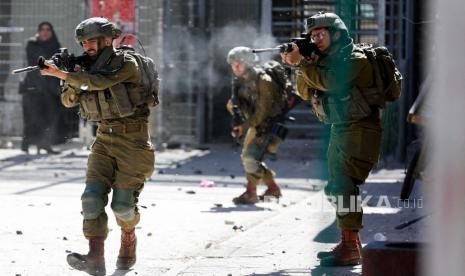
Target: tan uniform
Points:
(355, 127)
(122, 155)
(260, 100)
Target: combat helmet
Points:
(327, 20)
(242, 54)
(94, 27)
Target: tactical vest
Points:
(344, 106)
(120, 100)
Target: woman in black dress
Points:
(41, 104)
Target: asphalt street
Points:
(188, 228)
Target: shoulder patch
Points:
(129, 58)
(265, 77)
(358, 55)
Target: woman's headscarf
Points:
(53, 42)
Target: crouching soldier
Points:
(257, 99)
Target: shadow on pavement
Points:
(239, 208)
(224, 161)
(71, 180)
(330, 234)
(120, 272)
(284, 272)
(24, 158)
(336, 271)
(19, 159)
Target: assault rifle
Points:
(306, 46)
(278, 130)
(63, 60)
(237, 116)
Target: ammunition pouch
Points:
(116, 103)
(111, 103)
(335, 109)
(89, 106)
(139, 95)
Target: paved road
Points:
(185, 229)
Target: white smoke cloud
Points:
(190, 52)
(239, 34)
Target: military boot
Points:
(127, 251)
(250, 195)
(94, 262)
(272, 189)
(324, 254)
(347, 252)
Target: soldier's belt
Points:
(127, 128)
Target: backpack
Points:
(278, 74)
(150, 80)
(388, 78)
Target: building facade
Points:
(189, 41)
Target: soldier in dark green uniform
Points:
(335, 80)
(260, 102)
(109, 90)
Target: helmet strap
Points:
(101, 43)
(336, 35)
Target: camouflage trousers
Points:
(250, 154)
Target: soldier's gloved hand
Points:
(294, 57)
(237, 131)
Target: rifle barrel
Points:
(26, 69)
(266, 50)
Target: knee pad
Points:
(93, 200)
(251, 165)
(123, 204)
